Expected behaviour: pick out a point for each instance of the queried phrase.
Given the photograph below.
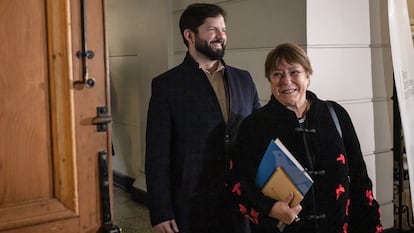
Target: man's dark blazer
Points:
(187, 145)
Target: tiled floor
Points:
(130, 215)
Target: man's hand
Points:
(166, 227)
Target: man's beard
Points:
(203, 47)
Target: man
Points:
(194, 112)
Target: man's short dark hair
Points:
(195, 15)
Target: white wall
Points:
(138, 51)
(347, 42)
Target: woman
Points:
(340, 200)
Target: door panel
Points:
(22, 66)
(49, 178)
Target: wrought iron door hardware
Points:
(108, 226)
(102, 119)
(85, 53)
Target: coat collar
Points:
(188, 60)
(310, 96)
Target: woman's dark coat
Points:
(341, 199)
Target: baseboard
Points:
(395, 230)
(139, 195)
(391, 230)
(126, 182)
(123, 181)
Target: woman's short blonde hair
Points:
(290, 53)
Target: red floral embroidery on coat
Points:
(242, 209)
(348, 202)
(236, 189)
(254, 216)
(370, 197)
(339, 191)
(345, 228)
(230, 164)
(341, 159)
(379, 229)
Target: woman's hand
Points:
(283, 212)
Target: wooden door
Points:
(49, 177)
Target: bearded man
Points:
(194, 113)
